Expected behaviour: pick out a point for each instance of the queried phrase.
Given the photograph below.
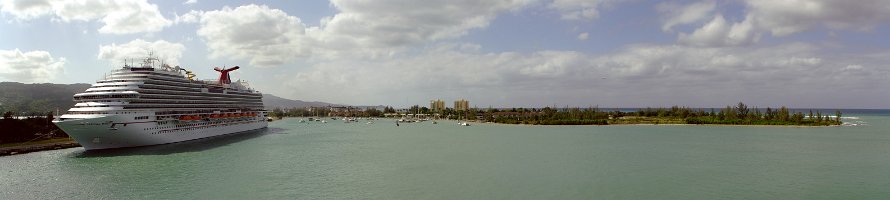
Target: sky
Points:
(494, 53)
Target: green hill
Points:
(37, 98)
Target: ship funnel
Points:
(224, 74)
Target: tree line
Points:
(28, 129)
(740, 114)
(319, 112)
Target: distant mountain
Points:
(272, 102)
(38, 97)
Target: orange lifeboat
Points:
(214, 116)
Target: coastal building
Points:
(339, 108)
(437, 105)
(461, 105)
(347, 111)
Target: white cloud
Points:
(193, 16)
(386, 26)
(853, 67)
(781, 18)
(136, 49)
(583, 36)
(551, 64)
(366, 29)
(798, 61)
(26, 10)
(264, 36)
(119, 17)
(675, 14)
(577, 9)
(718, 32)
(787, 17)
(189, 2)
(32, 66)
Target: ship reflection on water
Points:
(180, 147)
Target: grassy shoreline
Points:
(52, 140)
(738, 115)
(665, 124)
(631, 124)
(644, 120)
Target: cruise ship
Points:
(153, 103)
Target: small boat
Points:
(464, 124)
(434, 122)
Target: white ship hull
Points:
(116, 131)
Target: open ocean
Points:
(336, 160)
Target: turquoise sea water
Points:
(337, 160)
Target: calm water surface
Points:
(340, 160)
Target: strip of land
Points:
(739, 114)
(42, 145)
(727, 116)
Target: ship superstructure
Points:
(153, 103)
